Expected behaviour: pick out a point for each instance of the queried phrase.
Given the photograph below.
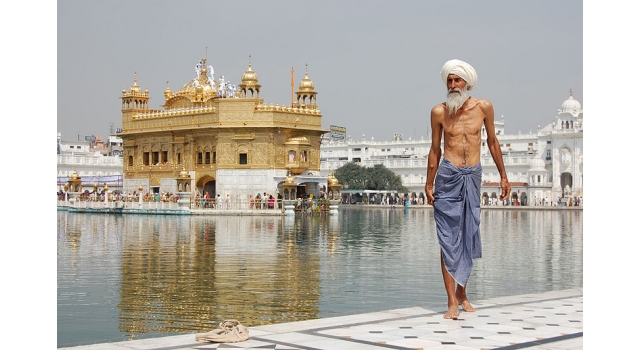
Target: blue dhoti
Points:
(456, 210)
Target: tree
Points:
(351, 176)
(378, 177)
(383, 179)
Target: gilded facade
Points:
(226, 137)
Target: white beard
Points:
(456, 100)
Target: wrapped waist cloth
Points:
(456, 210)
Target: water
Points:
(124, 277)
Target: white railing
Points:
(240, 204)
(171, 204)
(89, 160)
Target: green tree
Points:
(352, 176)
(378, 177)
(383, 179)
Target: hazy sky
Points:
(375, 64)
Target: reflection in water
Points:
(134, 276)
(185, 273)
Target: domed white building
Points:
(542, 166)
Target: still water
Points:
(124, 277)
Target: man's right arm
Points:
(435, 152)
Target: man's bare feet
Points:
(461, 296)
(466, 306)
(452, 313)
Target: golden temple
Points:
(226, 138)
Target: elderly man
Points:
(456, 197)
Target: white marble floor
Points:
(550, 321)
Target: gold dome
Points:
(290, 179)
(184, 173)
(75, 176)
(199, 85)
(306, 84)
(135, 87)
(167, 92)
(249, 77)
(332, 180)
(190, 88)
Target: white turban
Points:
(461, 69)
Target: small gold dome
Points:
(184, 173)
(289, 179)
(135, 87)
(332, 180)
(75, 176)
(167, 91)
(249, 77)
(306, 84)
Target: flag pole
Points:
(292, 86)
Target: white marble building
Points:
(546, 164)
(91, 164)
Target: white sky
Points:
(375, 64)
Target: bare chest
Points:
(463, 126)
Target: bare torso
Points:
(462, 133)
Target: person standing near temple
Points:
(456, 196)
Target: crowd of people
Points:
(303, 203)
(116, 196)
(260, 201)
(561, 202)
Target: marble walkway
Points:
(551, 320)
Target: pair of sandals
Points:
(229, 331)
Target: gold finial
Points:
(184, 173)
(249, 60)
(289, 179)
(570, 92)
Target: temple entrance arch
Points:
(206, 184)
(566, 179)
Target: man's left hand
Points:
(506, 188)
